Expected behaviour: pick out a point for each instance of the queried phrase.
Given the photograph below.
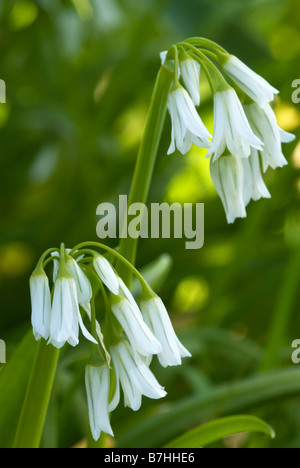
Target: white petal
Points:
(254, 186)
(190, 72)
(41, 305)
(264, 123)
(139, 335)
(158, 320)
(228, 178)
(84, 289)
(132, 395)
(97, 380)
(286, 137)
(106, 273)
(250, 82)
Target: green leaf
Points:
(13, 384)
(215, 430)
(155, 273)
(228, 398)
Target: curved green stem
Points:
(120, 257)
(146, 158)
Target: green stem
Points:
(146, 159)
(33, 414)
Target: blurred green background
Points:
(79, 77)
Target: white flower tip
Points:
(163, 56)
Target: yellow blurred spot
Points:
(4, 113)
(184, 188)
(84, 9)
(218, 255)
(23, 14)
(131, 126)
(82, 444)
(296, 157)
(288, 117)
(16, 259)
(193, 184)
(191, 294)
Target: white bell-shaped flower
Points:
(254, 185)
(41, 304)
(187, 126)
(231, 127)
(83, 286)
(264, 124)
(256, 87)
(158, 320)
(106, 273)
(228, 177)
(134, 375)
(65, 314)
(190, 74)
(139, 335)
(97, 382)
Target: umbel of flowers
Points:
(130, 334)
(246, 138)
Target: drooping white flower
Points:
(130, 317)
(254, 185)
(84, 289)
(65, 315)
(231, 127)
(134, 375)
(187, 126)
(256, 87)
(125, 292)
(264, 123)
(190, 73)
(106, 273)
(97, 382)
(41, 305)
(158, 320)
(228, 177)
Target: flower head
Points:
(256, 87)
(264, 124)
(190, 73)
(254, 185)
(41, 304)
(97, 382)
(231, 127)
(106, 273)
(158, 320)
(65, 315)
(228, 177)
(187, 126)
(134, 375)
(139, 335)
(83, 286)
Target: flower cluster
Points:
(123, 340)
(246, 138)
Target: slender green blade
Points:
(215, 430)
